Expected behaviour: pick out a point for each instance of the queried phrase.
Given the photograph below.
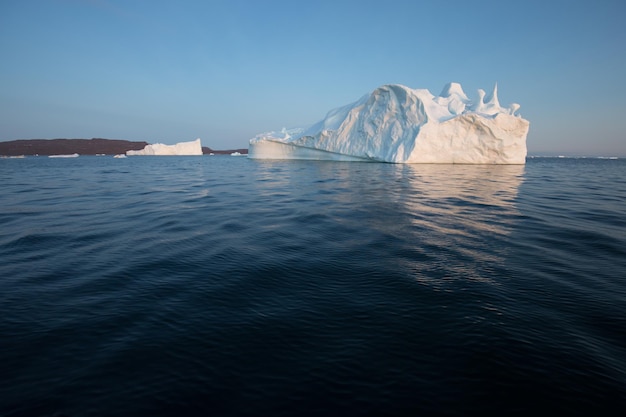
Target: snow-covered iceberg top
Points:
(182, 148)
(403, 125)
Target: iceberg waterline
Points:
(399, 124)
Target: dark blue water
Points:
(158, 286)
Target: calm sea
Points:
(224, 286)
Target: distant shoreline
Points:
(94, 146)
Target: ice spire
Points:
(491, 101)
(479, 105)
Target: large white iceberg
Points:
(403, 125)
(182, 148)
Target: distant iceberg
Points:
(402, 125)
(183, 148)
(72, 155)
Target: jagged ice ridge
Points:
(402, 125)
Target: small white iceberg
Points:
(183, 148)
(73, 155)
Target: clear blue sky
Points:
(171, 71)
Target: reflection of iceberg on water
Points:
(461, 220)
(402, 125)
(485, 195)
(183, 148)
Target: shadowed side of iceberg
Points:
(273, 149)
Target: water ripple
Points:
(227, 286)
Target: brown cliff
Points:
(209, 151)
(68, 146)
(94, 146)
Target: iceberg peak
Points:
(493, 97)
(453, 89)
(402, 125)
(491, 102)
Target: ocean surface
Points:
(225, 286)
